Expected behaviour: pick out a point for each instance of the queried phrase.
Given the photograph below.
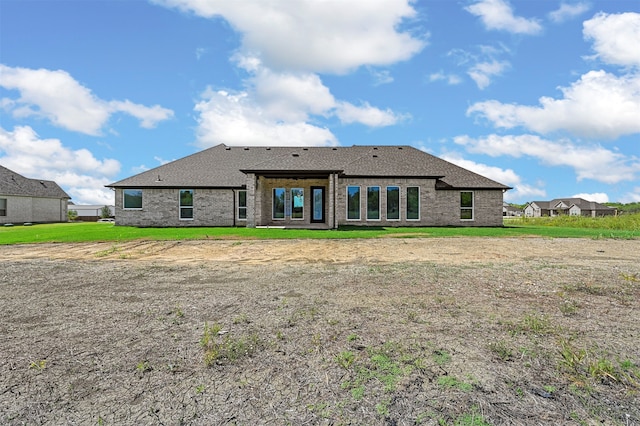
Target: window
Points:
(3, 206)
(242, 205)
(297, 203)
(466, 205)
(393, 203)
(132, 199)
(353, 203)
(413, 203)
(373, 203)
(186, 204)
(278, 203)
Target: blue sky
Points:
(543, 95)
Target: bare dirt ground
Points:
(396, 331)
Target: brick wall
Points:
(160, 207)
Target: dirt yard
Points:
(394, 331)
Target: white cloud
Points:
(58, 97)
(482, 72)
(615, 37)
(380, 77)
(520, 191)
(451, 79)
(598, 197)
(498, 15)
(631, 197)
(599, 105)
(235, 119)
(592, 162)
(80, 174)
(367, 115)
(319, 36)
(567, 11)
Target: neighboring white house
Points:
(91, 212)
(24, 200)
(568, 206)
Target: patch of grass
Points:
(143, 366)
(472, 418)
(502, 350)
(452, 382)
(345, 359)
(627, 228)
(441, 357)
(533, 323)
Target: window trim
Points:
(387, 204)
(417, 219)
(3, 207)
(379, 218)
(241, 206)
(292, 201)
(124, 192)
(273, 204)
(472, 208)
(180, 206)
(359, 203)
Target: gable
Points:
(12, 183)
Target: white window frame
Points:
(386, 211)
(472, 208)
(180, 206)
(359, 203)
(124, 207)
(379, 218)
(242, 207)
(406, 200)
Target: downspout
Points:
(233, 209)
(335, 200)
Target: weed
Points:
(352, 337)
(241, 319)
(178, 312)
(569, 307)
(358, 393)
(452, 382)
(38, 365)
(533, 323)
(474, 418)
(602, 369)
(502, 350)
(102, 253)
(345, 359)
(630, 277)
(143, 366)
(219, 346)
(571, 358)
(200, 388)
(441, 356)
(383, 408)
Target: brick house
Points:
(568, 206)
(308, 187)
(24, 200)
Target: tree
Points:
(105, 212)
(72, 215)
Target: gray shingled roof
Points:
(224, 166)
(12, 183)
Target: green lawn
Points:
(78, 232)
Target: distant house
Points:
(91, 213)
(309, 187)
(509, 210)
(24, 200)
(568, 206)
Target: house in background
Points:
(90, 213)
(510, 210)
(24, 200)
(568, 206)
(309, 187)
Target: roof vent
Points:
(228, 148)
(399, 147)
(305, 149)
(268, 148)
(246, 148)
(375, 156)
(375, 147)
(295, 154)
(334, 149)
